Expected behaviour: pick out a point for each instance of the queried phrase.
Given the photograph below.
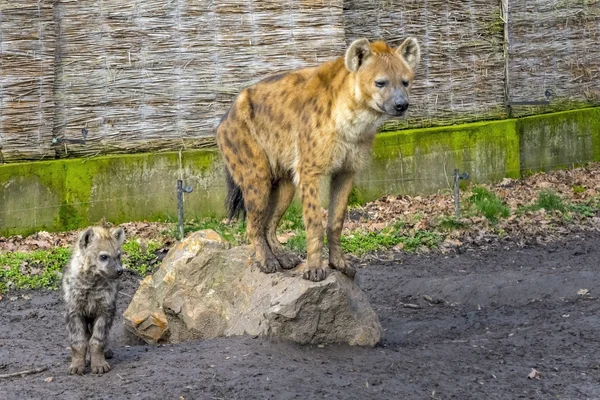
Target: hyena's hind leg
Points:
(341, 186)
(250, 170)
(282, 194)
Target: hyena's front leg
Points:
(78, 336)
(341, 186)
(313, 221)
(282, 194)
(98, 343)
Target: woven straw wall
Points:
(154, 75)
(27, 43)
(554, 45)
(461, 77)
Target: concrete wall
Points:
(67, 194)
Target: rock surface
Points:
(205, 289)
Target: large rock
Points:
(206, 289)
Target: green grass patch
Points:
(35, 270)
(141, 257)
(360, 243)
(292, 219)
(589, 208)
(43, 269)
(549, 201)
(488, 204)
(297, 243)
(356, 198)
(448, 223)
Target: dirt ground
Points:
(500, 313)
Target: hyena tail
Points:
(234, 200)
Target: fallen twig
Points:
(409, 305)
(23, 373)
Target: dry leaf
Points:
(399, 246)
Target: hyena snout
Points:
(401, 105)
(113, 271)
(397, 105)
(117, 271)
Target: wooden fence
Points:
(156, 75)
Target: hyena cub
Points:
(90, 292)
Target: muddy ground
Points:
(506, 310)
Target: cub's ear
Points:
(85, 239)
(357, 53)
(119, 235)
(411, 52)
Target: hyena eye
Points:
(103, 257)
(380, 83)
(405, 83)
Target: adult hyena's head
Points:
(384, 75)
(100, 249)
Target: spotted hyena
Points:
(90, 293)
(290, 129)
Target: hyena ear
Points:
(411, 52)
(119, 235)
(86, 238)
(357, 53)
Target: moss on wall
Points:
(559, 140)
(417, 161)
(68, 194)
(73, 193)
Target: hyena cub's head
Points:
(384, 75)
(100, 251)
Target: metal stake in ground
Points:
(180, 191)
(457, 178)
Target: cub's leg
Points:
(313, 221)
(98, 343)
(78, 336)
(341, 186)
(282, 194)
(249, 168)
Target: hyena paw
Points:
(269, 266)
(315, 274)
(76, 369)
(108, 354)
(343, 265)
(100, 367)
(288, 260)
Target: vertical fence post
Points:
(180, 191)
(506, 47)
(458, 178)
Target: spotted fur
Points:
(292, 128)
